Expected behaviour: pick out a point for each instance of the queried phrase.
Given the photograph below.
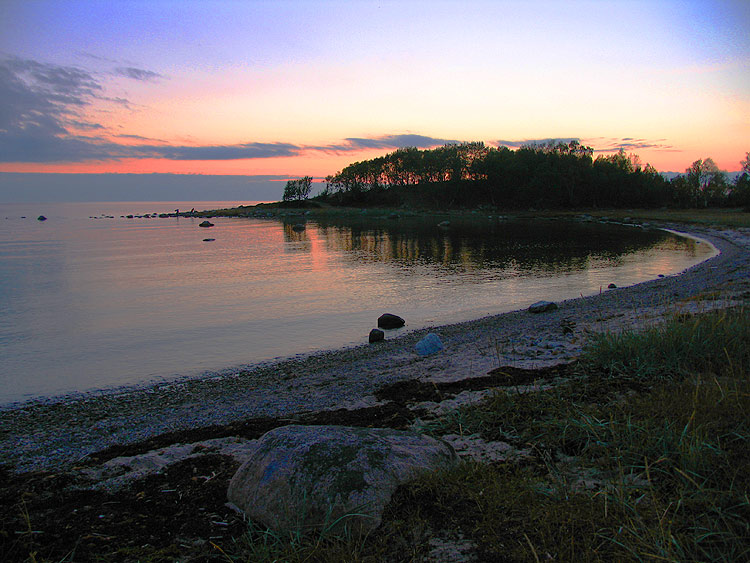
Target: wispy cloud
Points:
(392, 142)
(139, 138)
(629, 144)
(222, 152)
(534, 142)
(138, 74)
(39, 105)
(599, 144)
(44, 107)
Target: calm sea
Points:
(92, 300)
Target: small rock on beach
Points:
(430, 344)
(542, 307)
(376, 335)
(389, 320)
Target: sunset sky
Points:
(290, 88)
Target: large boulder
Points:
(303, 478)
(389, 320)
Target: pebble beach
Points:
(59, 433)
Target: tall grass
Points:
(717, 342)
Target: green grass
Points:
(708, 217)
(643, 456)
(718, 342)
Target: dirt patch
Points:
(411, 391)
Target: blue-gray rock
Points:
(206, 224)
(430, 344)
(41, 218)
(389, 320)
(376, 335)
(333, 478)
(542, 307)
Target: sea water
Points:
(92, 300)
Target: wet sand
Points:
(57, 435)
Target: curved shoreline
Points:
(42, 436)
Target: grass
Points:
(643, 456)
(708, 217)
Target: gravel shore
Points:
(56, 435)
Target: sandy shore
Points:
(40, 435)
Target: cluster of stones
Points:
(387, 321)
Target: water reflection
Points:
(518, 247)
(92, 304)
(296, 238)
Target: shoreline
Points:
(41, 435)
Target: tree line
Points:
(552, 176)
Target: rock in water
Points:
(542, 307)
(206, 224)
(41, 218)
(430, 344)
(376, 335)
(389, 320)
(302, 478)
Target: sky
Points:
(279, 89)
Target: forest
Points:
(555, 175)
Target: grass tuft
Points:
(716, 342)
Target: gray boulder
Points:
(331, 478)
(206, 224)
(389, 320)
(542, 307)
(430, 344)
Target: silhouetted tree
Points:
(297, 190)
(551, 175)
(706, 182)
(740, 194)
